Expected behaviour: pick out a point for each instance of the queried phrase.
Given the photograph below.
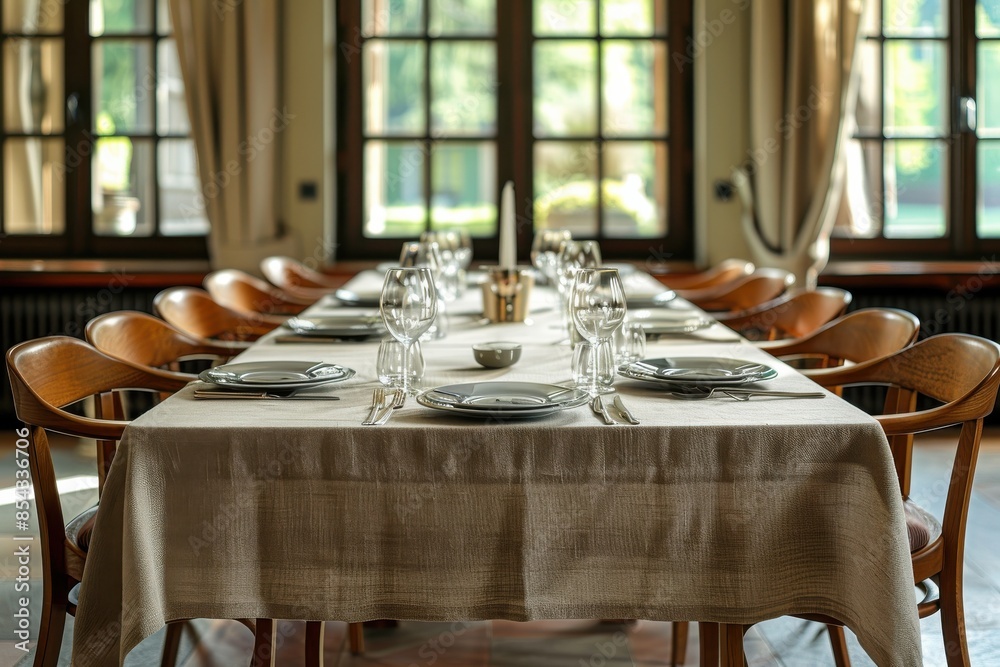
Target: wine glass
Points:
(597, 304)
(408, 306)
(428, 254)
(545, 251)
(573, 255)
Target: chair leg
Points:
(732, 642)
(356, 638)
(172, 644)
(952, 612)
(315, 637)
(838, 640)
(708, 642)
(53, 621)
(679, 643)
(263, 644)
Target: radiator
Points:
(34, 312)
(27, 313)
(970, 312)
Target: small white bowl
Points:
(497, 354)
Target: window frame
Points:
(78, 238)
(960, 205)
(515, 120)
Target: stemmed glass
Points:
(427, 254)
(408, 306)
(573, 255)
(597, 302)
(545, 251)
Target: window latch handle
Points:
(72, 108)
(967, 117)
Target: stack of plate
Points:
(275, 375)
(658, 321)
(686, 372)
(503, 400)
(644, 291)
(346, 326)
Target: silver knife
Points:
(625, 412)
(262, 395)
(597, 405)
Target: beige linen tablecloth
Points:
(712, 510)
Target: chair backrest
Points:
(742, 294)
(143, 340)
(48, 374)
(724, 272)
(863, 335)
(290, 274)
(193, 311)
(962, 373)
(250, 295)
(792, 315)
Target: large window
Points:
(579, 102)
(96, 155)
(924, 164)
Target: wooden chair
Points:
(46, 375)
(741, 294)
(152, 344)
(194, 312)
(295, 278)
(792, 315)
(962, 374)
(726, 271)
(863, 335)
(857, 337)
(250, 295)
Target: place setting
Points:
(271, 380)
(699, 378)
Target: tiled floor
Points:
(786, 642)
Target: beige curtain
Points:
(230, 53)
(801, 60)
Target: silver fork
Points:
(398, 399)
(699, 394)
(378, 403)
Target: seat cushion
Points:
(921, 526)
(80, 528)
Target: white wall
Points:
(308, 25)
(719, 54)
(719, 49)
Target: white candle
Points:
(508, 229)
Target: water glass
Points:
(630, 343)
(392, 363)
(597, 304)
(593, 367)
(408, 305)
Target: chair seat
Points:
(78, 533)
(921, 526)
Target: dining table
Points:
(719, 511)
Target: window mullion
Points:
(80, 145)
(963, 145)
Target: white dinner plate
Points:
(342, 327)
(367, 299)
(275, 374)
(698, 371)
(503, 400)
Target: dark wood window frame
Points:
(515, 42)
(960, 240)
(78, 239)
